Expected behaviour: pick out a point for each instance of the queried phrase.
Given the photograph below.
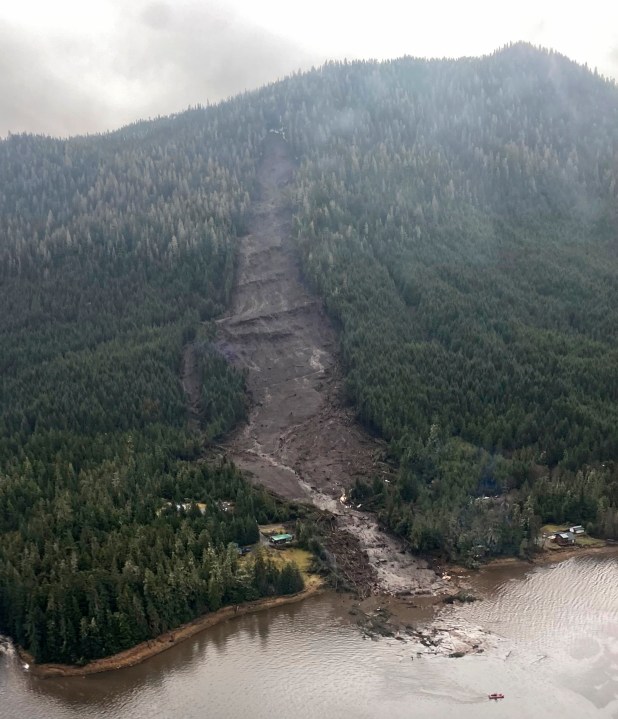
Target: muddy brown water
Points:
(554, 654)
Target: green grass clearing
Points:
(581, 540)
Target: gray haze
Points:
(72, 66)
(158, 61)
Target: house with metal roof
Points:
(280, 539)
(564, 539)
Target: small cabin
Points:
(279, 540)
(577, 529)
(564, 539)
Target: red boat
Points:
(495, 696)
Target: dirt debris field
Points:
(300, 441)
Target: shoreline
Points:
(548, 556)
(464, 578)
(150, 648)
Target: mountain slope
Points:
(115, 252)
(458, 219)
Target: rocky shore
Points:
(437, 637)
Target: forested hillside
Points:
(459, 219)
(114, 252)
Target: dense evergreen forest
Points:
(459, 219)
(115, 251)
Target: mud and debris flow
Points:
(300, 441)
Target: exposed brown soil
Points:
(301, 442)
(145, 650)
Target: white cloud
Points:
(73, 66)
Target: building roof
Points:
(567, 535)
(281, 537)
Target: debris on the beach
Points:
(439, 637)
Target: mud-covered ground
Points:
(301, 442)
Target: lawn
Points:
(581, 540)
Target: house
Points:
(577, 529)
(279, 540)
(564, 539)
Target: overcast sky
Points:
(75, 66)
